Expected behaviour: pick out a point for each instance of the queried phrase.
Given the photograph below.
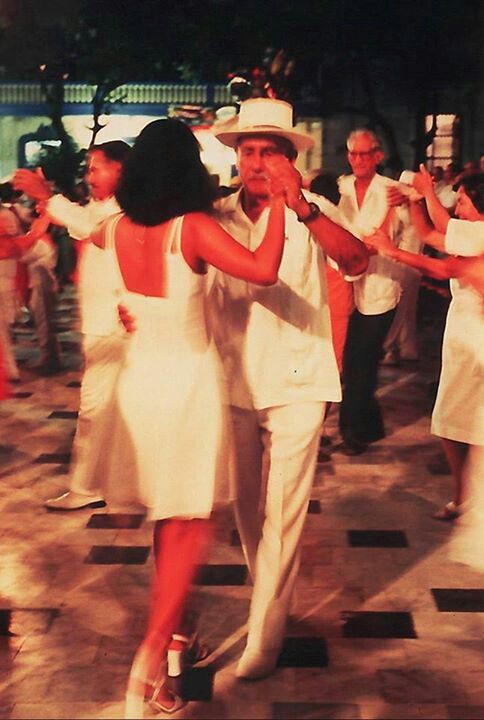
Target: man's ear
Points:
(379, 157)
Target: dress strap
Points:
(173, 245)
(109, 231)
(110, 245)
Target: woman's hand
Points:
(126, 319)
(285, 180)
(380, 242)
(423, 182)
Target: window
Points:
(445, 146)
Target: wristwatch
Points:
(314, 211)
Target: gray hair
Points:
(364, 132)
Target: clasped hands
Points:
(284, 180)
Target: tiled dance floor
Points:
(388, 619)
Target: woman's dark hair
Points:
(474, 187)
(114, 150)
(163, 176)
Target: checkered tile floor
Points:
(388, 618)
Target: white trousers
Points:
(402, 335)
(92, 441)
(276, 454)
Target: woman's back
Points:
(169, 395)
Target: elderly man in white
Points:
(103, 336)
(364, 204)
(276, 347)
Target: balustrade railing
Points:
(25, 93)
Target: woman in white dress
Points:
(458, 415)
(170, 397)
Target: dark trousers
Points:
(360, 416)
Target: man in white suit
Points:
(103, 336)
(276, 347)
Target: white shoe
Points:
(71, 500)
(255, 665)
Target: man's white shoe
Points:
(74, 501)
(256, 665)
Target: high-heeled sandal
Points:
(135, 698)
(191, 652)
(157, 705)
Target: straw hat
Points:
(264, 116)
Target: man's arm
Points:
(345, 249)
(74, 217)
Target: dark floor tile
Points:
(60, 458)
(63, 415)
(314, 507)
(197, 684)
(116, 521)
(221, 575)
(438, 468)
(323, 456)
(465, 712)
(32, 621)
(235, 539)
(458, 599)
(7, 449)
(74, 384)
(22, 395)
(377, 538)
(69, 346)
(313, 711)
(303, 652)
(117, 555)
(378, 625)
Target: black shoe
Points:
(47, 369)
(352, 447)
(323, 456)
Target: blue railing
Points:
(29, 93)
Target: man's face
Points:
(364, 157)
(102, 175)
(252, 154)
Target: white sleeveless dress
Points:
(171, 404)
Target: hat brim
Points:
(299, 140)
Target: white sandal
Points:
(157, 705)
(192, 652)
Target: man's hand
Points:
(395, 196)
(284, 179)
(423, 182)
(33, 184)
(126, 318)
(39, 227)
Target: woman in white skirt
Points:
(170, 397)
(458, 415)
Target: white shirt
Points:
(275, 342)
(465, 237)
(378, 290)
(98, 315)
